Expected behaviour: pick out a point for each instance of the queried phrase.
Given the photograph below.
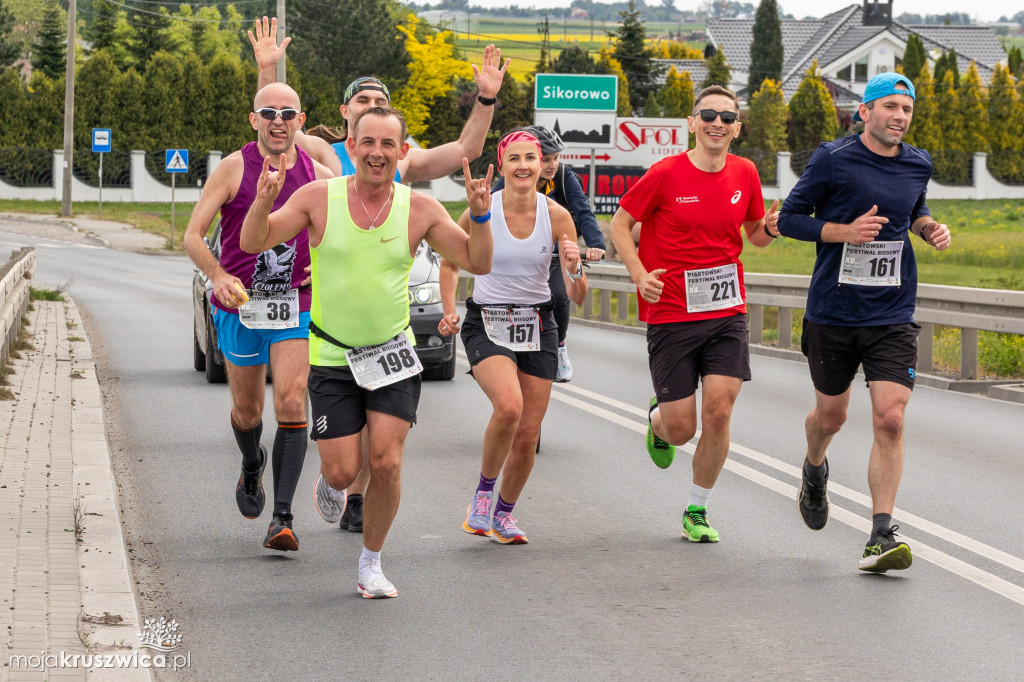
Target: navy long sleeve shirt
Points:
(843, 180)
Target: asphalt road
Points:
(606, 589)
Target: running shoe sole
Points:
(284, 541)
(518, 539)
(324, 503)
(705, 538)
(377, 593)
(896, 559)
(474, 531)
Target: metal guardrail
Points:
(970, 310)
(14, 295)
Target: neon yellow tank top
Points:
(360, 278)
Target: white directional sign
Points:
(176, 161)
(578, 129)
(639, 143)
(101, 139)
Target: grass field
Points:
(521, 40)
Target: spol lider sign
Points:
(576, 92)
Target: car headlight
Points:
(423, 294)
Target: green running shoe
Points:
(662, 453)
(695, 525)
(885, 553)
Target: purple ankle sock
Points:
(486, 485)
(503, 506)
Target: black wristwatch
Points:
(486, 101)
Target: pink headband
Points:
(518, 136)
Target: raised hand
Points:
(271, 182)
(264, 43)
(771, 219)
(569, 254)
(938, 235)
(865, 228)
(650, 287)
(489, 76)
(478, 192)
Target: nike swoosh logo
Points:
(385, 241)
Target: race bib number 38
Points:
(875, 264)
(270, 311)
(384, 364)
(517, 329)
(713, 289)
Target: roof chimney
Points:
(877, 13)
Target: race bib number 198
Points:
(384, 364)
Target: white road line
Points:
(963, 569)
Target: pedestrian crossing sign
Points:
(176, 161)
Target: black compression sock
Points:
(289, 455)
(249, 444)
(816, 474)
(880, 523)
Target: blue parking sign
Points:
(176, 161)
(101, 140)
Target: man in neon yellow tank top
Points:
(363, 232)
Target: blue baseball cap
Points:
(883, 85)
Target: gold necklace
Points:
(373, 220)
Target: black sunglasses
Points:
(270, 113)
(709, 115)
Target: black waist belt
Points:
(320, 333)
(545, 307)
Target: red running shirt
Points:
(692, 220)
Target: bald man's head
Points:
(278, 96)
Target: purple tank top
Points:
(282, 267)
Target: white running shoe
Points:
(330, 503)
(373, 584)
(564, 366)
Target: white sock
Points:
(655, 411)
(368, 558)
(698, 496)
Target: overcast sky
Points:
(987, 10)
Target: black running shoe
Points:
(885, 553)
(280, 535)
(249, 495)
(813, 501)
(352, 519)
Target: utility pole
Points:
(280, 38)
(69, 116)
(543, 30)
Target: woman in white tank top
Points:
(509, 333)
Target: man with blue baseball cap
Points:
(859, 200)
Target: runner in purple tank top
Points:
(260, 308)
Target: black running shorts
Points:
(541, 363)
(340, 405)
(888, 353)
(680, 353)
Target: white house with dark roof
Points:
(852, 45)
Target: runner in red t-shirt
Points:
(690, 289)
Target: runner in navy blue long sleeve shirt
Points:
(867, 194)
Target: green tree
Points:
(102, 30)
(634, 56)
(651, 107)
(766, 53)
(149, 34)
(323, 41)
(1015, 61)
(10, 46)
(13, 101)
(45, 111)
(1006, 128)
(609, 64)
(196, 94)
(49, 50)
(952, 164)
(95, 79)
(127, 130)
(813, 112)
(973, 112)
(924, 131)
(163, 122)
(946, 63)
(677, 94)
(431, 74)
(230, 103)
(914, 57)
(574, 59)
(719, 71)
(767, 128)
